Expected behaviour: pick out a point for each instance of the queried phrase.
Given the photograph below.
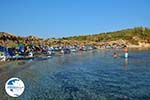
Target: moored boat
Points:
(2, 56)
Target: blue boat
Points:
(65, 51)
(3, 53)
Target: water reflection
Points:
(126, 63)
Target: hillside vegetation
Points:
(131, 35)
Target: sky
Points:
(62, 18)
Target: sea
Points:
(85, 75)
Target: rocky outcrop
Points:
(9, 40)
(136, 37)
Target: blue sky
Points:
(60, 18)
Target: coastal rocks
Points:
(114, 40)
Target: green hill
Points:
(131, 35)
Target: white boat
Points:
(2, 56)
(30, 54)
(73, 50)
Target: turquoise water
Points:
(92, 75)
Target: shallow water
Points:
(92, 75)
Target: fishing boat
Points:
(50, 51)
(65, 51)
(83, 48)
(2, 56)
(2, 53)
(73, 50)
(21, 56)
